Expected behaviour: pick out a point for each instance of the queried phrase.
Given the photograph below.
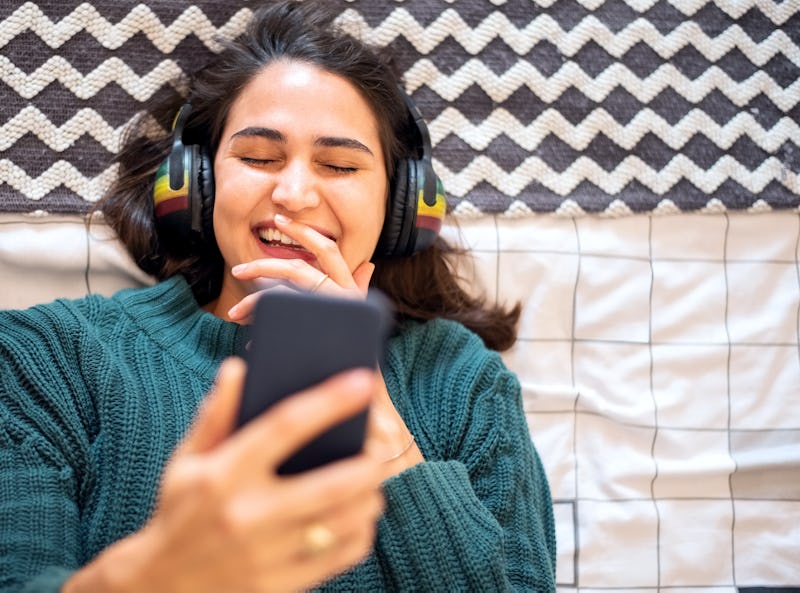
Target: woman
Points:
(299, 149)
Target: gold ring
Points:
(318, 539)
(319, 283)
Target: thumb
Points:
(216, 416)
(362, 275)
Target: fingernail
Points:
(281, 219)
(238, 269)
(233, 311)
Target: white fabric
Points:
(49, 256)
(660, 363)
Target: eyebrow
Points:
(324, 141)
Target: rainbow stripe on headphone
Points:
(166, 199)
(431, 216)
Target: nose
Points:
(295, 187)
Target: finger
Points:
(285, 272)
(362, 275)
(316, 491)
(347, 552)
(324, 249)
(294, 421)
(358, 514)
(354, 515)
(313, 571)
(243, 310)
(275, 269)
(216, 415)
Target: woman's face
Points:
(301, 142)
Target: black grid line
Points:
(651, 380)
(572, 503)
(688, 429)
(88, 267)
(797, 271)
(498, 253)
(577, 551)
(693, 498)
(728, 393)
(610, 256)
(622, 342)
(656, 589)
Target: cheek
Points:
(371, 217)
(230, 192)
(362, 229)
(222, 232)
(228, 208)
(220, 214)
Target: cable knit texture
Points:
(95, 394)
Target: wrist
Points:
(406, 456)
(402, 451)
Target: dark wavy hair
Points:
(423, 286)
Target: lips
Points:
(278, 245)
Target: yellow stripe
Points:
(437, 210)
(162, 191)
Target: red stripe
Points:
(432, 223)
(172, 205)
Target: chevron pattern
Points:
(566, 106)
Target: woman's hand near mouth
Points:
(388, 437)
(301, 274)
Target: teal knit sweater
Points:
(95, 394)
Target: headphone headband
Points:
(176, 179)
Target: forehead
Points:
(297, 97)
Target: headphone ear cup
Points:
(202, 192)
(430, 205)
(391, 243)
(184, 213)
(172, 206)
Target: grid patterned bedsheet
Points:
(534, 105)
(660, 363)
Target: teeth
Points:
(274, 235)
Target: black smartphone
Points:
(299, 339)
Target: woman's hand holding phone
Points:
(225, 519)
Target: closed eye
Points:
(253, 161)
(338, 169)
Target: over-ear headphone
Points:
(183, 194)
(417, 202)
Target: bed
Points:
(627, 170)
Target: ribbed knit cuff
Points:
(435, 531)
(49, 581)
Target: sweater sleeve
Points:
(477, 515)
(42, 447)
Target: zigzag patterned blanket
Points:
(572, 106)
